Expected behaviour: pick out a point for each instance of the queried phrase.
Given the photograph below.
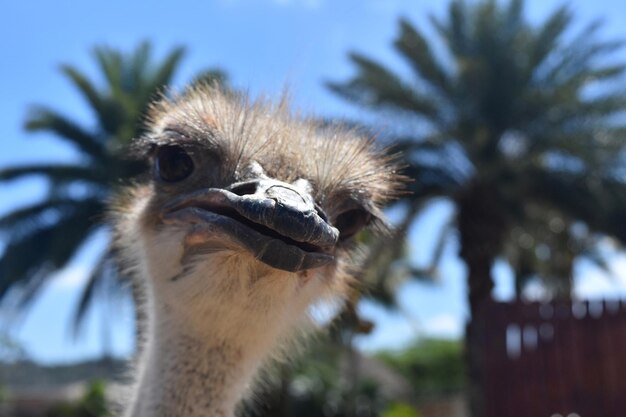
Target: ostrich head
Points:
(246, 220)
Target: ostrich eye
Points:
(173, 164)
(350, 222)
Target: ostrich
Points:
(245, 221)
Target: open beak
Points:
(277, 222)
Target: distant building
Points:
(31, 390)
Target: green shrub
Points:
(92, 404)
(400, 410)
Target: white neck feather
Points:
(211, 329)
(184, 375)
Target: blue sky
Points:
(263, 45)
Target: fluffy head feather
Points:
(216, 296)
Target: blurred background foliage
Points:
(92, 404)
(520, 128)
(432, 366)
(54, 230)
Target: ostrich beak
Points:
(277, 222)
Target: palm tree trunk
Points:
(482, 226)
(480, 284)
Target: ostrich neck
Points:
(190, 371)
(210, 329)
(184, 376)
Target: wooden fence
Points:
(564, 359)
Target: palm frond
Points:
(415, 48)
(103, 282)
(431, 181)
(600, 260)
(85, 86)
(108, 112)
(379, 279)
(166, 70)
(569, 88)
(210, 77)
(57, 173)
(150, 87)
(379, 88)
(605, 105)
(111, 63)
(515, 14)
(88, 294)
(138, 65)
(547, 37)
(48, 120)
(575, 194)
(29, 259)
(455, 31)
(28, 219)
(576, 58)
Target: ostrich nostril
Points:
(321, 213)
(288, 196)
(244, 188)
(280, 192)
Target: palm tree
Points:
(42, 238)
(519, 126)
